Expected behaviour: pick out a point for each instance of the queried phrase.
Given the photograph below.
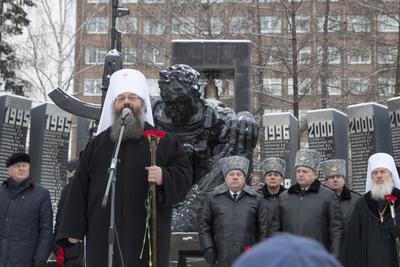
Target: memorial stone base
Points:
(185, 250)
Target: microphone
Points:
(125, 114)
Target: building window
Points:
(154, 56)
(359, 56)
(334, 55)
(304, 55)
(268, 1)
(152, 26)
(273, 86)
(388, 23)
(334, 87)
(239, 25)
(270, 24)
(273, 56)
(212, 1)
(357, 86)
(333, 24)
(126, 24)
(92, 87)
(97, 1)
(154, 89)
(215, 25)
(386, 86)
(358, 24)
(97, 25)
(237, 1)
(304, 86)
(183, 25)
(131, 1)
(303, 24)
(129, 55)
(387, 54)
(95, 55)
(154, 1)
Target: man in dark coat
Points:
(274, 171)
(75, 255)
(83, 214)
(310, 209)
(26, 217)
(233, 216)
(369, 241)
(334, 173)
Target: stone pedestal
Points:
(185, 250)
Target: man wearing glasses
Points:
(83, 214)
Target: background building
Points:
(306, 54)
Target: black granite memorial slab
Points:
(185, 250)
(327, 133)
(15, 116)
(281, 140)
(86, 129)
(49, 147)
(369, 133)
(394, 120)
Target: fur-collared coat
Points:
(228, 226)
(314, 213)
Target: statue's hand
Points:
(241, 132)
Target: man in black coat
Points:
(26, 217)
(370, 237)
(233, 217)
(334, 173)
(274, 171)
(74, 256)
(310, 209)
(83, 214)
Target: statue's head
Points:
(180, 92)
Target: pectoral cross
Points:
(381, 213)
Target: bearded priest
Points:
(370, 238)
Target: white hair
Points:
(378, 191)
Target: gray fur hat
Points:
(274, 165)
(307, 158)
(234, 163)
(333, 167)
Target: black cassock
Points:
(84, 216)
(368, 241)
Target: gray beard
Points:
(134, 126)
(378, 192)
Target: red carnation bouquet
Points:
(392, 200)
(60, 256)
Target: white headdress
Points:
(381, 160)
(121, 81)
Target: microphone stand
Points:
(111, 182)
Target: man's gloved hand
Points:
(210, 256)
(395, 231)
(39, 263)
